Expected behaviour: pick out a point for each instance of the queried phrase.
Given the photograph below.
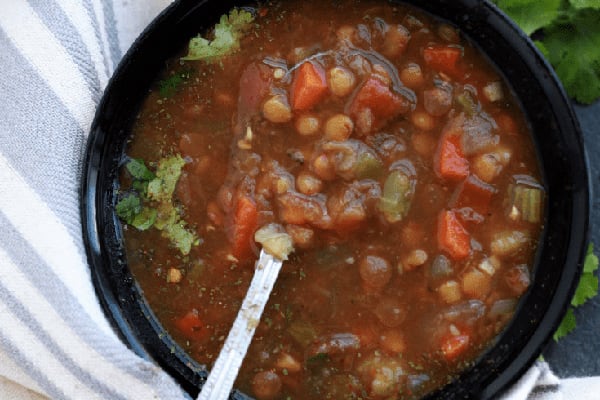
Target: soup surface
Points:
(384, 147)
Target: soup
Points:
(390, 154)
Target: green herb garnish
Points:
(586, 289)
(227, 35)
(567, 34)
(151, 203)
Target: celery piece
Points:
(368, 166)
(396, 199)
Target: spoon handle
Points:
(222, 376)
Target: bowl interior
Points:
(556, 135)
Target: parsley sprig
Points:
(586, 289)
(566, 32)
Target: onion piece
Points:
(275, 241)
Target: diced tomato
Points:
(309, 86)
(454, 345)
(474, 193)
(444, 59)
(450, 163)
(377, 95)
(192, 327)
(242, 227)
(453, 238)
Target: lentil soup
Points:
(384, 147)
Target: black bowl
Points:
(556, 135)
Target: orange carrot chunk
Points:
(453, 346)
(243, 226)
(444, 59)
(309, 86)
(453, 238)
(192, 327)
(450, 162)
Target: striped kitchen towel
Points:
(56, 57)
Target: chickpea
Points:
(323, 168)
(396, 39)
(450, 292)
(423, 121)
(266, 385)
(307, 125)
(476, 284)
(277, 109)
(308, 184)
(412, 76)
(339, 127)
(341, 81)
(301, 237)
(375, 271)
(424, 143)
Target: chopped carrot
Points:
(243, 226)
(453, 238)
(454, 345)
(444, 59)
(473, 193)
(309, 86)
(192, 327)
(450, 163)
(377, 95)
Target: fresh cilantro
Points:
(145, 219)
(566, 326)
(568, 36)
(152, 203)
(169, 169)
(128, 207)
(138, 170)
(595, 4)
(588, 283)
(530, 15)
(586, 289)
(573, 44)
(227, 35)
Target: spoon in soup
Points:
(277, 245)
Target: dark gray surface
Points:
(578, 354)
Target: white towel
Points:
(56, 57)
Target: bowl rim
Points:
(173, 358)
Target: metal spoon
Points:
(222, 376)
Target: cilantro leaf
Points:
(585, 4)
(588, 283)
(566, 326)
(168, 216)
(590, 265)
(227, 35)
(573, 45)
(128, 207)
(138, 170)
(530, 15)
(145, 219)
(586, 289)
(169, 169)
